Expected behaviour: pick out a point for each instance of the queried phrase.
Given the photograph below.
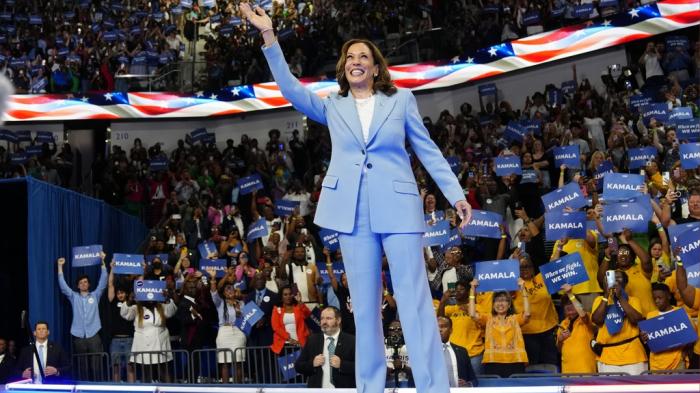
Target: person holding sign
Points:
(538, 333)
(574, 336)
(672, 359)
(369, 195)
(121, 331)
(151, 335)
(229, 336)
(691, 297)
(504, 352)
(86, 324)
(616, 314)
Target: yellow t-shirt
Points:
(671, 283)
(543, 316)
(504, 341)
(590, 261)
(465, 331)
(666, 360)
(696, 307)
(576, 353)
(665, 261)
(639, 286)
(621, 355)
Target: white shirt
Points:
(365, 108)
(326, 381)
(449, 276)
(45, 350)
(447, 347)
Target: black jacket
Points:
(55, 357)
(343, 377)
(464, 365)
(7, 368)
(261, 334)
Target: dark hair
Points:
(83, 277)
(462, 283)
(564, 301)
(41, 323)
(448, 320)
(511, 309)
(625, 277)
(382, 82)
(659, 286)
(336, 311)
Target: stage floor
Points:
(641, 384)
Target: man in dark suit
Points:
(459, 367)
(328, 358)
(261, 335)
(55, 361)
(7, 363)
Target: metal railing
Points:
(261, 366)
(207, 365)
(91, 366)
(151, 366)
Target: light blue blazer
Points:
(395, 204)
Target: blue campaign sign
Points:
(655, 111)
(286, 365)
(159, 164)
(250, 183)
(559, 225)
(634, 216)
(693, 274)
(87, 255)
(438, 234)
(592, 226)
(329, 239)
(604, 167)
(507, 165)
(568, 269)
(19, 158)
(501, 275)
(689, 243)
(639, 101)
(313, 321)
(257, 230)
(149, 258)
(614, 318)
(531, 18)
(128, 263)
(583, 11)
(8, 136)
(529, 176)
(670, 330)
(33, 150)
(608, 3)
(186, 3)
(455, 239)
(558, 12)
(44, 137)
(488, 89)
(638, 157)
(568, 87)
(198, 134)
(206, 249)
(149, 290)
(285, 208)
(514, 132)
(533, 126)
(620, 186)
(570, 195)
(24, 136)
(209, 138)
(455, 164)
(338, 269)
(677, 41)
(675, 231)
(484, 224)
(251, 314)
(688, 130)
(436, 215)
(219, 265)
(690, 155)
(567, 155)
(554, 97)
(680, 113)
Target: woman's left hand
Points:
(464, 211)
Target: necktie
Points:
(448, 363)
(331, 353)
(258, 300)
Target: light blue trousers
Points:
(362, 256)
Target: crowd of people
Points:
(75, 47)
(196, 199)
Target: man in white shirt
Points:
(54, 360)
(459, 367)
(328, 358)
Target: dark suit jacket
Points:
(464, 365)
(55, 357)
(261, 336)
(7, 368)
(343, 377)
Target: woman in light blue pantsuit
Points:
(370, 196)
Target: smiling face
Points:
(360, 68)
(501, 304)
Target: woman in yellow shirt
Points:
(622, 351)
(675, 358)
(504, 352)
(691, 297)
(574, 336)
(539, 331)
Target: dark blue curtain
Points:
(59, 219)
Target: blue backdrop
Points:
(59, 219)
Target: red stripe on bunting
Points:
(686, 17)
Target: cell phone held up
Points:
(610, 278)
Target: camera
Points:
(395, 340)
